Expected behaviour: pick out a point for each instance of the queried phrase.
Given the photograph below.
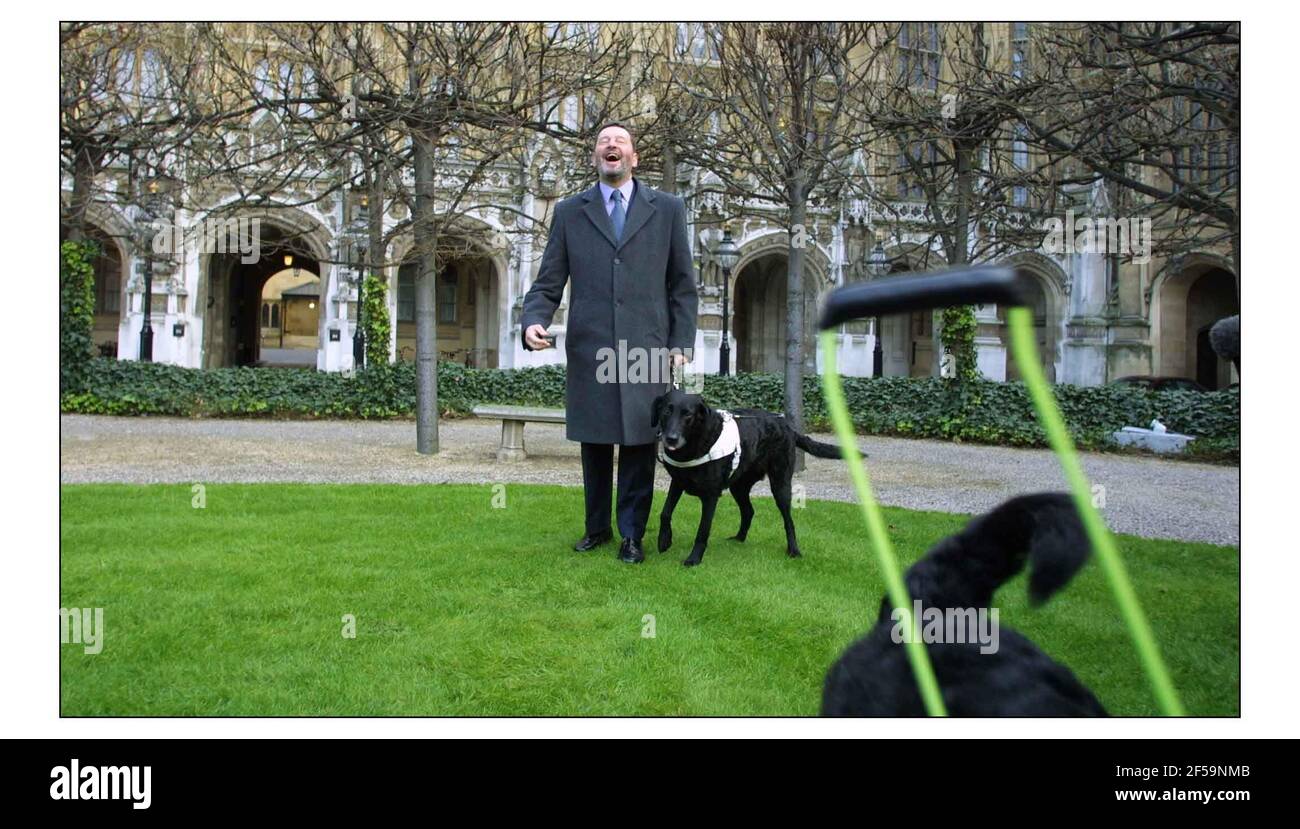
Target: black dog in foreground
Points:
(707, 450)
(874, 678)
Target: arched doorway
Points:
(289, 325)
(1044, 330)
(233, 330)
(1211, 297)
(1189, 303)
(759, 314)
(465, 302)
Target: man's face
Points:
(614, 157)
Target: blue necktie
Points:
(619, 214)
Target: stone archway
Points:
(759, 299)
(1188, 302)
(1043, 333)
(467, 301)
(292, 304)
(233, 334)
(1047, 305)
(228, 297)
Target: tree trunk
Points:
(426, 321)
(794, 311)
(669, 184)
(958, 251)
(83, 179)
(961, 215)
(375, 227)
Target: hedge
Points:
(981, 411)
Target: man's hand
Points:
(534, 337)
(679, 359)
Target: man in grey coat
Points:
(631, 319)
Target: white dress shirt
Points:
(627, 189)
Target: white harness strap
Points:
(727, 444)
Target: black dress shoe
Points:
(591, 542)
(629, 552)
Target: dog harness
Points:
(727, 444)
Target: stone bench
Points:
(513, 419)
(1158, 442)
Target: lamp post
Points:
(877, 266)
(358, 333)
(727, 255)
(356, 248)
(357, 262)
(146, 324)
(151, 206)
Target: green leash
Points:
(1103, 544)
(960, 288)
(894, 585)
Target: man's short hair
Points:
(621, 126)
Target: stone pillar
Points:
(335, 353)
(512, 441)
(191, 282)
(1130, 346)
(990, 343)
(707, 356)
(1083, 356)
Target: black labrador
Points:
(873, 678)
(689, 429)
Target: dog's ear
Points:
(656, 408)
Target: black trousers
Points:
(636, 486)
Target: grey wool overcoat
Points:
(631, 302)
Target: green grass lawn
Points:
(466, 609)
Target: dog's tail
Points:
(818, 449)
(964, 570)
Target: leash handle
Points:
(898, 295)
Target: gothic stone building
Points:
(1097, 318)
(210, 308)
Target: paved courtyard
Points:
(1145, 496)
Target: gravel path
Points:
(1143, 496)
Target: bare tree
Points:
(782, 133)
(948, 143)
(132, 97)
(667, 70)
(461, 98)
(1153, 110)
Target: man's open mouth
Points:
(613, 157)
